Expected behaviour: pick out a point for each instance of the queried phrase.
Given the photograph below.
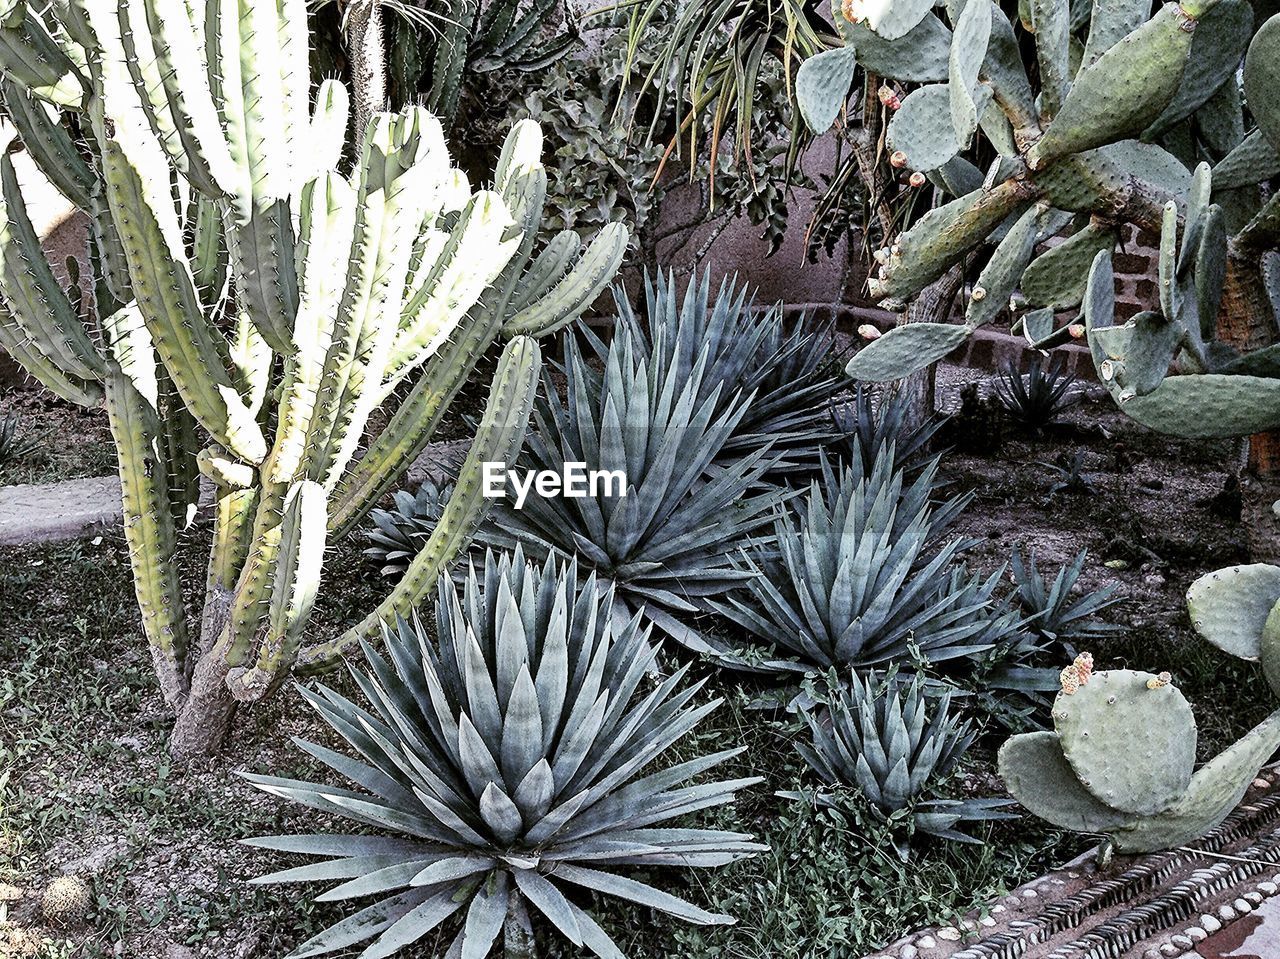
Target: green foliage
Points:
(668, 544)
(1052, 613)
(1041, 398)
(400, 533)
(510, 763)
(859, 576)
(884, 740)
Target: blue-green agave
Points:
(512, 761)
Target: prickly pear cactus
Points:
(1119, 760)
(253, 306)
(1132, 119)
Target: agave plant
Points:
(859, 578)
(882, 739)
(510, 765)
(15, 446)
(667, 542)
(1052, 612)
(785, 369)
(400, 533)
(870, 431)
(1042, 398)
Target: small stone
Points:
(1268, 888)
(949, 934)
(1255, 898)
(987, 921)
(927, 942)
(1226, 913)
(1057, 882)
(1242, 906)
(1030, 894)
(1013, 901)
(1195, 934)
(1169, 949)
(1260, 783)
(997, 909)
(1073, 875)
(1182, 942)
(1210, 923)
(909, 952)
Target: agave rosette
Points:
(510, 764)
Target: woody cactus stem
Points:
(238, 327)
(368, 59)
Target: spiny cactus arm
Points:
(999, 278)
(1051, 22)
(327, 132)
(413, 424)
(1229, 607)
(295, 582)
(1215, 790)
(49, 144)
(30, 56)
(148, 521)
(326, 219)
(33, 295)
(192, 350)
(402, 159)
(475, 254)
(16, 342)
(184, 76)
(182, 443)
(208, 249)
(235, 496)
(251, 361)
(498, 440)
(1058, 277)
(575, 291)
(1121, 94)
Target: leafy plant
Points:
(1051, 611)
(256, 307)
(882, 739)
(871, 431)
(400, 533)
(1069, 475)
(14, 445)
(667, 543)
(512, 762)
(784, 371)
(1041, 398)
(857, 577)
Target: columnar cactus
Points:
(1126, 107)
(253, 306)
(1119, 762)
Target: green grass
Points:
(82, 732)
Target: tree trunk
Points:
(933, 305)
(517, 930)
(205, 715)
(368, 62)
(1243, 322)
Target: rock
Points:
(1242, 906)
(997, 909)
(1268, 888)
(1195, 934)
(909, 952)
(1254, 898)
(927, 942)
(987, 921)
(1030, 894)
(949, 934)
(1169, 949)
(1226, 913)
(1211, 923)
(1182, 942)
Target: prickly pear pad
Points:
(1132, 746)
(1037, 774)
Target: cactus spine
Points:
(239, 329)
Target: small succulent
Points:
(858, 577)
(398, 534)
(667, 543)
(511, 760)
(869, 431)
(66, 901)
(1041, 398)
(883, 739)
(1069, 475)
(14, 446)
(783, 369)
(979, 425)
(1051, 611)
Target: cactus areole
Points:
(238, 325)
